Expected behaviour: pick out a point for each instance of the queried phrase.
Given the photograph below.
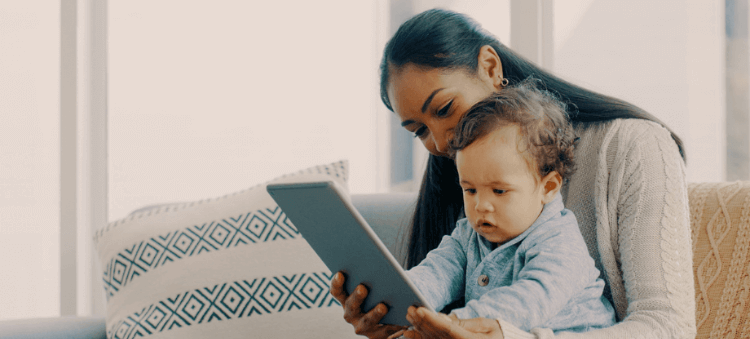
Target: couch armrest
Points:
(54, 328)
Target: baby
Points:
(518, 255)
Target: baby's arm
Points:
(556, 267)
(440, 276)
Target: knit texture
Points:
(630, 197)
(720, 219)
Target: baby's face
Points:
(502, 198)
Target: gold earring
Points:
(504, 82)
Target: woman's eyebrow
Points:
(429, 99)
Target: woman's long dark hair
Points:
(443, 39)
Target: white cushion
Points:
(230, 267)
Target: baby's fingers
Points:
(397, 334)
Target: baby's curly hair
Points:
(543, 120)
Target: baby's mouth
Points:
(483, 223)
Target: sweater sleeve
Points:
(643, 236)
(440, 276)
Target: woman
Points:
(629, 191)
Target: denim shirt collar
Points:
(549, 211)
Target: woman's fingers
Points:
(367, 324)
(337, 288)
(353, 305)
(372, 318)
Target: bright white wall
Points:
(664, 56)
(208, 98)
(29, 159)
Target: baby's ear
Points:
(551, 184)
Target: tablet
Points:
(323, 213)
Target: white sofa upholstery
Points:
(388, 214)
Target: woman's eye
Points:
(420, 132)
(499, 191)
(470, 190)
(444, 111)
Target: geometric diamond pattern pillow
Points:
(230, 267)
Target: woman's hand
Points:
(367, 324)
(432, 325)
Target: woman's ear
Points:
(551, 184)
(490, 67)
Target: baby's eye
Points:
(499, 191)
(420, 132)
(470, 190)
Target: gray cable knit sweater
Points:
(629, 194)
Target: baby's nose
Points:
(484, 206)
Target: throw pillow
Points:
(229, 267)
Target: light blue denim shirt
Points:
(545, 277)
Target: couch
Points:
(386, 213)
(720, 222)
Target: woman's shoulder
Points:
(606, 146)
(624, 127)
(625, 133)
(637, 129)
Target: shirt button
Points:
(483, 280)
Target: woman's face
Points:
(430, 102)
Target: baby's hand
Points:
(433, 325)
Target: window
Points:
(208, 98)
(666, 57)
(29, 159)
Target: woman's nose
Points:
(442, 142)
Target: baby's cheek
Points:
(469, 210)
